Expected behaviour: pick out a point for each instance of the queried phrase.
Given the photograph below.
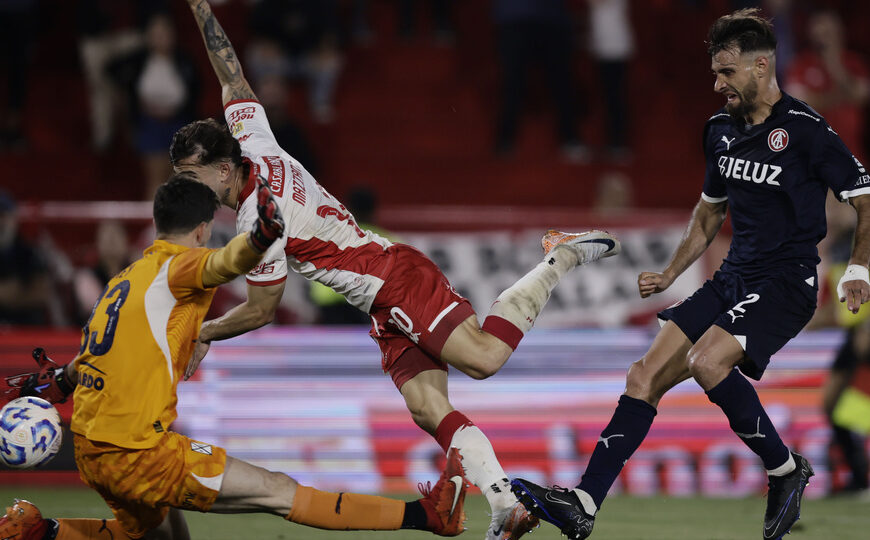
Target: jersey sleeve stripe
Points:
(237, 101)
(846, 195)
(713, 200)
(265, 283)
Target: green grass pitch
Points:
(623, 518)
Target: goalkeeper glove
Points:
(49, 383)
(270, 224)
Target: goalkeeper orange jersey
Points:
(136, 344)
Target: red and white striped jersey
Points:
(322, 240)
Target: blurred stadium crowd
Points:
(579, 104)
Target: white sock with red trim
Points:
(482, 467)
(478, 458)
(522, 302)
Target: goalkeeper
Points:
(134, 351)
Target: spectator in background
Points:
(113, 255)
(297, 39)
(161, 85)
(831, 79)
(25, 285)
(272, 92)
(17, 38)
(536, 33)
(108, 30)
(612, 45)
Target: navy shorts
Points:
(763, 314)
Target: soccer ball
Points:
(30, 432)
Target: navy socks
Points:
(622, 436)
(739, 401)
(633, 418)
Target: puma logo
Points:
(727, 142)
(739, 309)
(606, 440)
(757, 435)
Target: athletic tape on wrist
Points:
(853, 272)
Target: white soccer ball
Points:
(30, 432)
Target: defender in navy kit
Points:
(770, 160)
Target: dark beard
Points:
(742, 111)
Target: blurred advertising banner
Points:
(313, 402)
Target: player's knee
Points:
(480, 363)
(638, 382)
(483, 370)
(698, 361)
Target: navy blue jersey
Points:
(775, 177)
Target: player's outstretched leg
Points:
(556, 505)
(23, 521)
(788, 472)
(784, 498)
(444, 502)
(514, 311)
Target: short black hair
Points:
(182, 203)
(209, 140)
(745, 30)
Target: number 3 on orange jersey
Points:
(90, 342)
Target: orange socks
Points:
(345, 511)
(88, 529)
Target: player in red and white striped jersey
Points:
(420, 323)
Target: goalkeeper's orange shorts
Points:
(140, 485)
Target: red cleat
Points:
(444, 503)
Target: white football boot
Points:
(589, 246)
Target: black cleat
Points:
(784, 498)
(556, 505)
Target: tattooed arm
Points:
(221, 54)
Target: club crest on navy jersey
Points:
(777, 140)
